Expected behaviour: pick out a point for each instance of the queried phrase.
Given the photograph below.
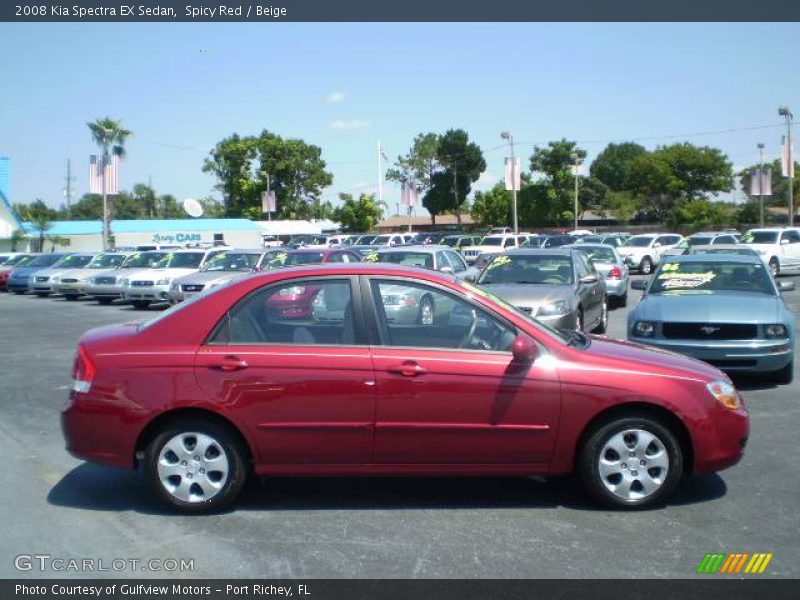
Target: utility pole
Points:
(506, 135)
(761, 183)
(106, 218)
(577, 166)
(785, 112)
(68, 192)
(380, 174)
(269, 200)
(455, 190)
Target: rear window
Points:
(303, 258)
(760, 237)
(182, 260)
(410, 259)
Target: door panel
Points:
(450, 405)
(288, 363)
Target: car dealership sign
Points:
(176, 238)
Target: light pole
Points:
(506, 135)
(761, 183)
(577, 165)
(785, 112)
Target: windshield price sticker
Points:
(685, 280)
(499, 261)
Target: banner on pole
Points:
(761, 182)
(515, 184)
(408, 195)
(269, 202)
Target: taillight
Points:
(83, 372)
(614, 273)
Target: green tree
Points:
(749, 213)
(110, 137)
(780, 184)
(492, 207)
(552, 197)
(145, 197)
(229, 162)
(699, 213)
(17, 237)
(358, 215)
(212, 208)
(41, 217)
(622, 205)
(611, 165)
(463, 164)
(420, 164)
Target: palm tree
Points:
(110, 137)
(41, 217)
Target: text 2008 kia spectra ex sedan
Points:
(223, 385)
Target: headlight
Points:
(776, 331)
(294, 290)
(163, 282)
(644, 329)
(553, 309)
(124, 282)
(725, 393)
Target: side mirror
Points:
(640, 284)
(588, 279)
(447, 269)
(786, 286)
(784, 242)
(524, 350)
(657, 245)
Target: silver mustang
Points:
(724, 309)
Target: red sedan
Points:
(221, 386)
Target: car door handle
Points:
(231, 363)
(408, 368)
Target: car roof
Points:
(527, 251)
(414, 248)
(579, 245)
(693, 258)
(724, 247)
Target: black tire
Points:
(70, 297)
(140, 304)
(19, 292)
(601, 328)
(785, 375)
(774, 266)
(590, 453)
(425, 304)
(42, 294)
(579, 320)
(623, 300)
(105, 300)
(233, 449)
(646, 266)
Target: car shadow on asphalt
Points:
(93, 487)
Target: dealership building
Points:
(87, 236)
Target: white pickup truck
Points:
(643, 252)
(779, 247)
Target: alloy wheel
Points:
(193, 467)
(633, 464)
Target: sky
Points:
(183, 87)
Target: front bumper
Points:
(18, 285)
(70, 289)
(103, 291)
(755, 356)
(153, 293)
(722, 442)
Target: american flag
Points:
(112, 174)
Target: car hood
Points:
(631, 356)
(21, 272)
(633, 250)
(211, 277)
(718, 307)
(79, 274)
(531, 294)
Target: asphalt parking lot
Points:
(372, 527)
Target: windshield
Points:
(760, 237)
(640, 241)
(381, 239)
(715, 250)
(411, 259)
(492, 241)
(365, 239)
(450, 240)
(142, 261)
(233, 261)
(712, 276)
(182, 260)
(44, 260)
(599, 254)
(74, 261)
(106, 261)
(303, 258)
(16, 260)
(533, 269)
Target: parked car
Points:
(643, 252)
(20, 277)
(707, 238)
(152, 285)
(438, 258)
(609, 264)
(72, 283)
(15, 261)
(392, 239)
(219, 387)
(43, 282)
(494, 244)
(460, 242)
(724, 309)
(221, 269)
(556, 241)
(558, 287)
(307, 256)
(6, 256)
(108, 286)
(427, 237)
(778, 246)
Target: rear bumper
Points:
(757, 356)
(616, 287)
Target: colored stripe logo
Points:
(734, 563)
